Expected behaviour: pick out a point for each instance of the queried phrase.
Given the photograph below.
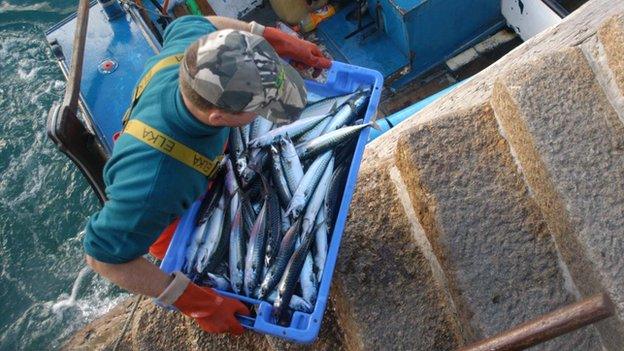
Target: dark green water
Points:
(44, 202)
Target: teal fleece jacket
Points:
(147, 189)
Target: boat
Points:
(102, 47)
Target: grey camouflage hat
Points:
(241, 72)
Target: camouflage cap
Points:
(239, 71)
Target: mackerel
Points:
(279, 178)
(236, 146)
(313, 98)
(232, 189)
(236, 258)
(231, 184)
(193, 246)
(293, 170)
(254, 260)
(292, 130)
(254, 191)
(244, 132)
(274, 223)
(325, 107)
(314, 132)
(329, 141)
(241, 166)
(333, 196)
(248, 215)
(211, 251)
(259, 126)
(320, 243)
(288, 282)
(258, 160)
(236, 150)
(347, 112)
(316, 200)
(307, 278)
(275, 272)
(319, 128)
(210, 201)
(285, 222)
(297, 303)
(344, 155)
(215, 281)
(307, 185)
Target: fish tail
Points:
(374, 125)
(333, 109)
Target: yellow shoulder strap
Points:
(172, 147)
(167, 61)
(138, 90)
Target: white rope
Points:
(127, 323)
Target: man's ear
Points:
(216, 118)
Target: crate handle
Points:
(246, 321)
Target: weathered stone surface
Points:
(611, 35)
(570, 144)
(384, 292)
(154, 328)
(200, 340)
(493, 243)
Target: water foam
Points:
(89, 306)
(71, 300)
(29, 75)
(5, 6)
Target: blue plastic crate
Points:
(304, 327)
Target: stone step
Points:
(605, 55)
(611, 35)
(386, 292)
(569, 142)
(496, 252)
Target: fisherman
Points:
(212, 73)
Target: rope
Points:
(134, 308)
(127, 323)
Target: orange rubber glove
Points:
(298, 50)
(213, 313)
(160, 246)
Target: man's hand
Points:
(213, 313)
(300, 51)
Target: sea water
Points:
(45, 291)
